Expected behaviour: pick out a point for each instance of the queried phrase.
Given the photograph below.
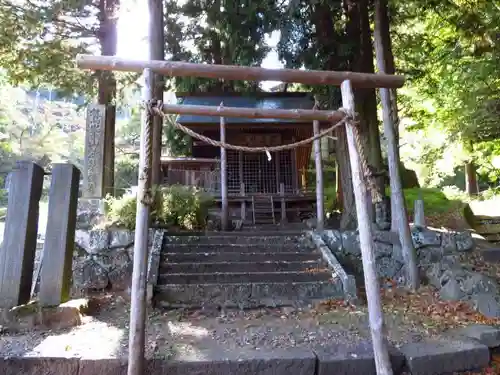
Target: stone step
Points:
(241, 238)
(246, 295)
(243, 277)
(235, 248)
(491, 255)
(238, 257)
(272, 266)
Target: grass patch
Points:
(3, 213)
(436, 201)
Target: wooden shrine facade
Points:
(276, 178)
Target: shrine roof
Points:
(256, 101)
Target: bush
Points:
(174, 206)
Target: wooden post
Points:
(240, 166)
(17, 253)
(243, 203)
(338, 186)
(157, 52)
(55, 281)
(320, 195)
(283, 204)
(295, 172)
(223, 176)
(139, 274)
(304, 178)
(380, 347)
(398, 208)
(240, 73)
(277, 167)
(257, 113)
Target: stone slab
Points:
(155, 256)
(440, 357)
(276, 362)
(38, 366)
(353, 359)
(246, 295)
(294, 361)
(486, 335)
(20, 235)
(55, 282)
(348, 281)
(491, 255)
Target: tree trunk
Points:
(398, 208)
(369, 112)
(471, 185)
(359, 34)
(323, 21)
(157, 52)
(108, 38)
(387, 59)
(348, 219)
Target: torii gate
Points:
(346, 80)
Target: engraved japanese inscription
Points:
(94, 151)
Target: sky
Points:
(133, 33)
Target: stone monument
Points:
(91, 204)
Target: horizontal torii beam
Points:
(285, 114)
(244, 73)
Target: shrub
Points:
(173, 207)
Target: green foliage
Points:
(38, 130)
(126, 173)
(330, 198)
(436, 201)
(218, 32)
(175, 206)
(450, 104)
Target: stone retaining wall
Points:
(439, 259)
(103, 259)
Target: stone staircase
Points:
(242, 270)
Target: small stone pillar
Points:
(17, 254)
(419, 215)
(55, 283)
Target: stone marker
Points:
(445, 357)
(55, 282)
(419, 219)
(17, 255)
(93, 176)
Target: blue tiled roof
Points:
(279, 102)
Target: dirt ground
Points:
(181, 333)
